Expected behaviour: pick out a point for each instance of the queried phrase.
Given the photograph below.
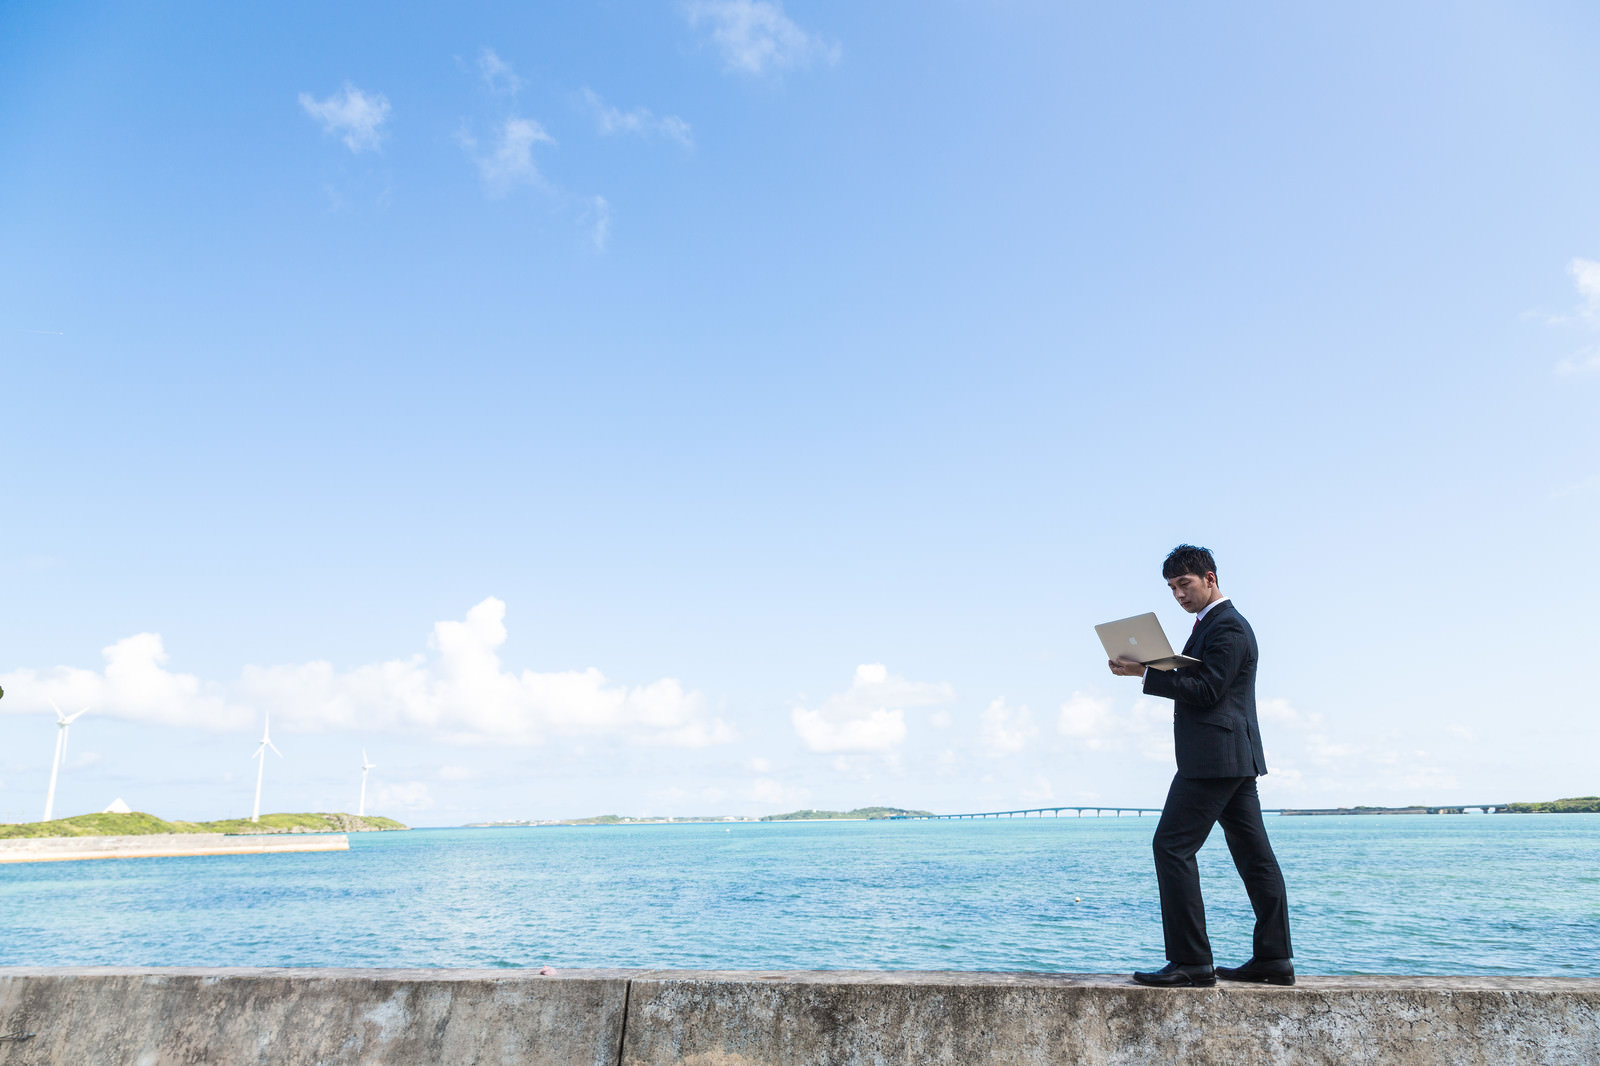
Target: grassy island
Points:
(139, 823)
(1575, 805)
(859, 814)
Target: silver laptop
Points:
(1141, 639)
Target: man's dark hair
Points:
(1188, 559)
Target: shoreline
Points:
(165, 846)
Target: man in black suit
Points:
(1218, 744)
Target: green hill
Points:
(139, 823)
(859, 814)
(1575, 805)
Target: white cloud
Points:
(1040, 792)
(640, 121)
(1281, 711)
(775, 793)
(1312, 762)
(1307, 757)
(134, 683)
(406, 796)
(462, 692)
(1093, 723)
(599, 217)
(1005, 730)
(870, 715)
(1305, 733)
(1586, 277)
(355, 116)
(755, 36)
(765, 791)
(510, 161)
(1084, 716)
(497, 74)
(1582, 362)
(457, 691)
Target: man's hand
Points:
(1124, 667)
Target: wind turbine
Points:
(366, 767)
(62, 722)
(261, 753)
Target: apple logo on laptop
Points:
(1134, 641)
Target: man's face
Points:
(1192, 592)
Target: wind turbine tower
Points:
(62, 722)
(261, 753)
(366, 767)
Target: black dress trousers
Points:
(1194, 805)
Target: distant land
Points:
(615, 819)
(859, 814)
(139, 823)
(1574, 805)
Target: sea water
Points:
(1440, 894)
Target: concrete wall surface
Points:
(295, 1017)
(165, 845)
(856, 1019)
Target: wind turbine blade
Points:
(274, 748)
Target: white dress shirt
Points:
(1207, 609)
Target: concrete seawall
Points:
(165, 845)
(85, 1017)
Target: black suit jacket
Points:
(1214, 727)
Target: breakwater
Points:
(267, 1017)
(165, 846)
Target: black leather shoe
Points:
(1261, 971)
(1176, 975)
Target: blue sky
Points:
(730, 407)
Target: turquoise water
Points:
(1500, 894)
